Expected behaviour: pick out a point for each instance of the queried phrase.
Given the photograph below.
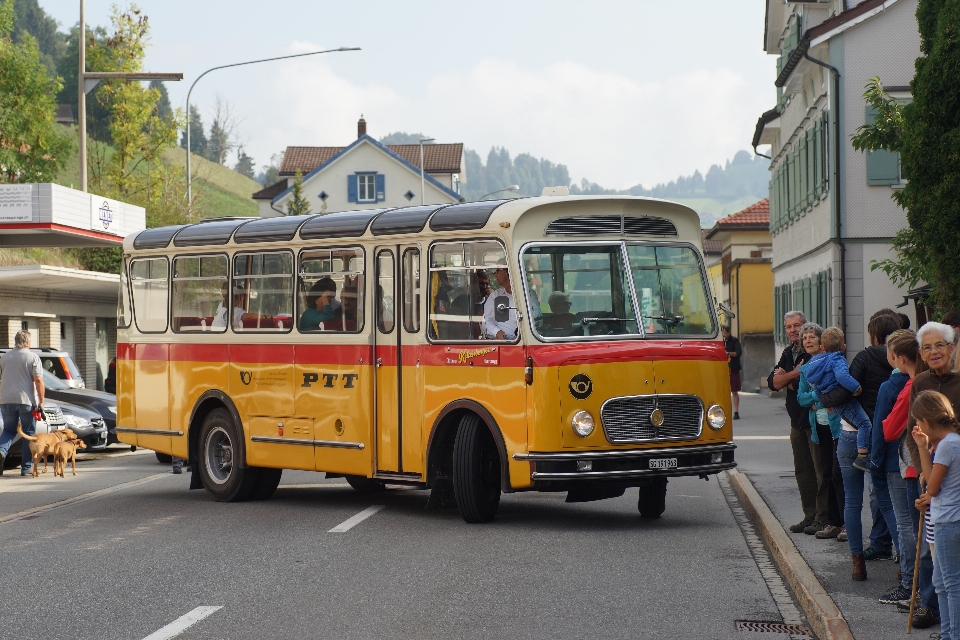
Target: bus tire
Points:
(653, 499)
(364, 484)
(476, 471)
(222, 474)
(164, 458)
(267, 483)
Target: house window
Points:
(366, 187)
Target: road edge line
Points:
(822, 612)
(80, 498)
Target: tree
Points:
(34, 21)
(244, 164)
(223, 132)
(198, 140)
(298, 204)
(98, 119)
(32, 146)
(164, 110)
(270, 173)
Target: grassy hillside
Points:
(222, 191)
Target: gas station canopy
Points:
(51, 215)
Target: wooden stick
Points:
(916, 573)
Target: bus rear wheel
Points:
(219, 458)
(653, 499)
(476, 471)
(364, 484)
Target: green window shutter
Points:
(776, 312)
(797, 185)
(804, 172)
(815, 299)
(883, 167)
(818, 157)
(811, 165)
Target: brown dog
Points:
(64, 452)
(42, 444)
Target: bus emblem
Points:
(656, 417)
(581, 386)
(245, 377)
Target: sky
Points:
(622, 92)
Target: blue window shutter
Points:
(883, 167)
(381, 192)
(352, 188)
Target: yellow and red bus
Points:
(563, 343)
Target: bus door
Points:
(399, 383)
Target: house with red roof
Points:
(746, 284)
(831, 212)
(366, 174)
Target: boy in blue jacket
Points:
(829, 370)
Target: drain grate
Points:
(774, 627)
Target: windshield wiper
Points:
(677, 319)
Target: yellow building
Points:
(746, 285)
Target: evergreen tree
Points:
(34, 21)
(198, 140)
(298, 204)
(32, 147)
(98, 118)
(930, 148)
(164, 110)
(244, 164)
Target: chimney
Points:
(361, 127)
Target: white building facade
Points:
(831, 211)
(366, 175)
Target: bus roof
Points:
(531, 218)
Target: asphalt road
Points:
(144, 552)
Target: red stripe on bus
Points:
(558, 354)
(199, 353)
(152, 352)
(340, 354)
(262, 353)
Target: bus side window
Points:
(263, 292)
(200, 293)
(460, 280)
(385, 291)
(331, 290)
(148, 279)
(411, 290)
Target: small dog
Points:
(64, 452)
(42, 444)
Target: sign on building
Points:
(104, 214)
(16, 203)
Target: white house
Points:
(366, 175)
(831, 213)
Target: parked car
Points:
(100, 401)
(54, 422)
(59, 363)
(87, 424)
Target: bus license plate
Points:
(663, 463)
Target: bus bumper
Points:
(628, 466)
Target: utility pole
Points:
(87, 81)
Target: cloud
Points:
(602, 125)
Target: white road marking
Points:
(735, 438)
(81, 498)
(350, 523)
(179, 625)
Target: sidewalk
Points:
(764, 456)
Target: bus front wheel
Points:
(219, 457)
(653, 499)
(476, 471)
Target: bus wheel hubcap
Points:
(219, 455)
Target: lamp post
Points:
(85, 84)
(422, 140)
(513, 187)
(238, 64)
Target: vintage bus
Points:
(554, 343)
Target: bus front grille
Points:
(632, 418)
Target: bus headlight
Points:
(582, 423)
(716, 417)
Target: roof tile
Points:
(437, 158)
(756, 214)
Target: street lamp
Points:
(85, 84)
(513, 187)
(238, 64)
(422, 140)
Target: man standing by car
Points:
(21, 391)
(806, 456)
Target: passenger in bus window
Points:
(349, 298)
(319, 305)
(561, 318)
(239, 313)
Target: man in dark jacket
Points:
(806, 456)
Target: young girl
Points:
(937, 428)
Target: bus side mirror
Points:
(727, 311)
(501, 308)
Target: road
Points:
(135, 551)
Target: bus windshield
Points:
(585, 290)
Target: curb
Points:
(822, 612)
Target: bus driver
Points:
(506, 330)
